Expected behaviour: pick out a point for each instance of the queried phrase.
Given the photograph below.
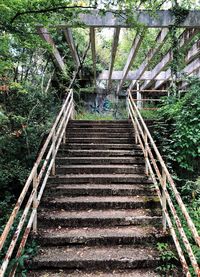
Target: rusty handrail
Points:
(44, 165)
(160, 179)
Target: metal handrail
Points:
(44, 165)
(162, 179)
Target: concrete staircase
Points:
(100, 215)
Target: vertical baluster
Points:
(35, 183)
(164, 201)
(146, 152)
(53, 170)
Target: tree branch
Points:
(55, 9)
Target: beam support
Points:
(192, 54)
(93, 49)
(69, 38)
(133, 52)
(152, 52)
(113, 54)
(44, 34)
(184, 39)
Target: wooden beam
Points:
(133, 52)
(93, 49)
(69, 38)
(113, 54)
(44, 34)
(161, 38)
(184, 39)
(160, 19)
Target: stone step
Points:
(95, 273)
(99, 140)
(100, 202)
(99, 190)
(96, 218)
(99, 146)
(73, 134)
(99, 122)
(99, 130)
(100, 179)
(99, 153)
(115, 257)
(96, 124)
(99, 169)
(99, 160)
(99, 236)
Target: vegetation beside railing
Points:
(24, 215)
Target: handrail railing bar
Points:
(178, 247)
(17, 233)
(170, 225)
(51, 148)
(30, 177)
(34, 211)
(138, 137)
(176, 217)
(49, 168)
(172, 208)
(176, 193)
(136, 120)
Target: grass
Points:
(93, 116)
(150, 114)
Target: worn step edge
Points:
(100, 178)
(103, 190)
(86, 218)
(102, 273)
(99, 169)
(99, 236)
(99, 160)
(100, 153)
(72, 134)
(96, 257)
(104, 202)
(100, 146)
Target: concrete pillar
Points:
(139, 97)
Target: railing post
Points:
(146, 152)
(164, 201)
(53, 170)
(73, 109)
(35, 183)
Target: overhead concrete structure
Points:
(159, 76)
(160, 19)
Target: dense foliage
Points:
(36, 88)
